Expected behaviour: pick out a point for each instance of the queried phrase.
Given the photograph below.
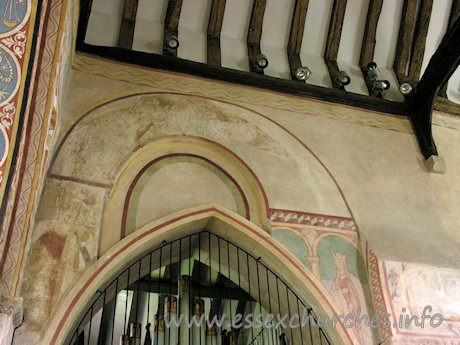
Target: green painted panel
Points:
(295, 245)
(335, 244)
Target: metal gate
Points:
(200, 289)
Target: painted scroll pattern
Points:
(40, 136)
(14, 30)
(15, 38)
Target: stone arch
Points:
(79, 164)
(214, 219)
(246, 181)
(157, 180)
(283, 165)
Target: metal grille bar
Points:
(202, 278)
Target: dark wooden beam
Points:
(297, 26)
(255, 33)
(410, 48)
(216, 18)
(171, 23)
(296, 35)
(368, 45)
(165, 287)
(81, 338)
(216, 303)
(403, 46)
(240, 308)
(255, 25)
(335, 30)
(213, 52)
(447, 106)
(442, 65)
(106, 321)
(333, 40)
(294, 63)
(128, 23)
(283, 86)
(419, 40)
(173, 14)
(333, 69)
(85, 11)
(454, 14)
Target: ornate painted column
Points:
(314, 262)
(36, 47)
(39, 48)
(17, 40)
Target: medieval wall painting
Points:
(49, 77)
(180, 182)
(16, 32)
(343, 274)
(294, 243)
(15, 40)
(328, 246)
(410, 288)
(14, 14)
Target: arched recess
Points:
(178, 181)
(113, 227)
(297, 245)
(216, 220)
(292, 176)
(304, 240)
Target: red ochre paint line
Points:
(143, 170)
(120, 251)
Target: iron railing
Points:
(199, 274)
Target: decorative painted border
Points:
(310, 227)
(17, 43)
(312, 219)
(162, 80)
(376, 282)
(15, 47)
(17, 23)
(39, 131)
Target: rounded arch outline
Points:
(145, 168)
(304, 240)
(215, 219)
(342, 236)
(86, 111)
(247, 182)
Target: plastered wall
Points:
(330, 183)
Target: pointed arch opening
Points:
(266, 275)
